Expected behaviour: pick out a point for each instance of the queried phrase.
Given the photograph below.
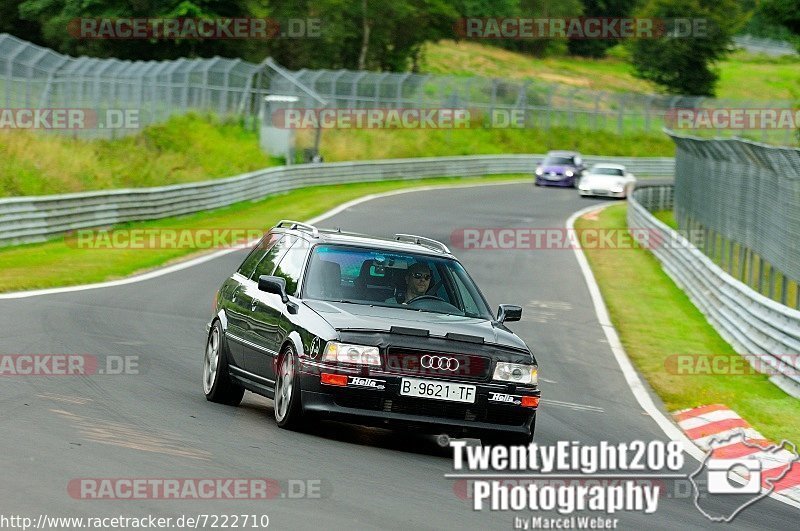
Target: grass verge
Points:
(743, 76)
(359, 144)
(195, 148)
(184, 149)
(656, 321)
(61, 262)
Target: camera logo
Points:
(722, 471)
(737, 472)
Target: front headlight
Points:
(539, 171)
(569, 173)
(516, 373)
(346, 353)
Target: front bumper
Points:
(386, 407)
(565, 182)
(602, 193)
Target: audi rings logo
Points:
(439, 362)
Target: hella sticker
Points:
(356, 381)
(508, 399)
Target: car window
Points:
(291, 265)
(470, 306)
(379, 277)
(258, 252)
(558, 161)
(267, 263)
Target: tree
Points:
(371, 34)
(10, 22)
(785, 13)
(684, 64)
(600, 8)
(54, 17)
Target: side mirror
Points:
(272, 284)
(509, 312)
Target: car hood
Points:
(346, 316)
(602, 180)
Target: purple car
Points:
(560, 168)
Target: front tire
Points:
(288, 410)
(217, 384)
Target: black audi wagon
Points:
(373, 331)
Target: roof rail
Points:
(422, 240)
(338, 230)
(297, 225)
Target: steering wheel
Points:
(434, 304)
(426, 298)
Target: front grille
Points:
(504, 415)
(422, 363)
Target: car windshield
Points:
(393, 279)
(603, 170)
(552, 160)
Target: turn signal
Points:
(336, 379)
(530, 401)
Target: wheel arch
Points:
(295, 341)
(223, 320)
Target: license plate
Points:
(437, 390)
(553, 177)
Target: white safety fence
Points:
(764, 331)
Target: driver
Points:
(418, 281)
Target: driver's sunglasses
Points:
(426, 276)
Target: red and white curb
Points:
(716, 427)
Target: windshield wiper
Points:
(434, 311)
(346, 301)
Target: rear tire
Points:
(288, 410)
(217, 384)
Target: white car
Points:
(610, 180)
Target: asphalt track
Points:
(157, 424)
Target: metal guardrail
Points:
(34, 219)
(766, 46)
(763, 331)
